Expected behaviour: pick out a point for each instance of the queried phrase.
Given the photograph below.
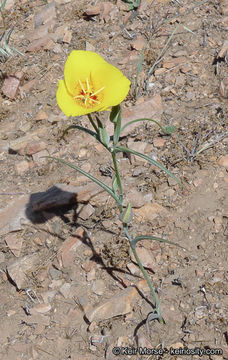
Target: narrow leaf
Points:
(150, 237)
(151, 161)
(90, 132)
(143, 119)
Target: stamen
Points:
(88, 86)
(82, 86)
(96, 92)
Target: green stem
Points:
(93, 123)
(119, 183)
(146, 277)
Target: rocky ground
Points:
(69, 286)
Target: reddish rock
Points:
(138, 44)
(34, 147)
(41, 116)
(93, 10)
(11, 85)
(159, 142)
(67, 252)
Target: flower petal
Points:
(116, 85)
(79, 65)
(67, 103)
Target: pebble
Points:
(40, 309)
(65, 290)
(34, 147)
(68, 249)
(86, 212)
(149, 212)
(11, 85)
(98, 287)
(223, 161)
(22, 167)
(39, 157)
(159, 142)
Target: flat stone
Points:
(40, 309)
(19, 269)
(98, 287)
(86, 212)
(159, 142)
(151, 108)
(120, 304)
(149, 212)
(34, 147)
(39, 157)
(93, 10)
(10, 86)
(67, 251)
(14, 242)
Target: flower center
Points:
(87, 96)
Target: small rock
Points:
(14, 242)
(223, 161)
(93, 10)
(86, 212)
(149, 212)
(11, 85)
(159, 142)
(89, 47)
(133, 269)
(170, 63)
(138, 44)
(67, 37)
(120, 304)
(34, 147)
(22, 167)
(40, 309)
(41, 115)
(68, 249)
(65, 290)
(39, 157)
(146, 257)
(54, 273)
(57, 49)
(98, 287)
(19, 269)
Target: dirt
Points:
(72, 258)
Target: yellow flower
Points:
(90, 84)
